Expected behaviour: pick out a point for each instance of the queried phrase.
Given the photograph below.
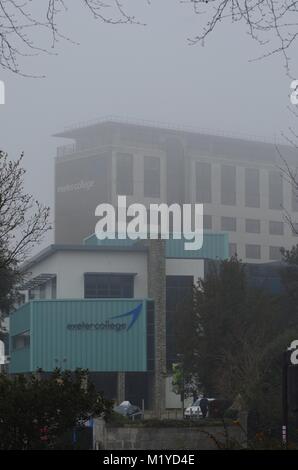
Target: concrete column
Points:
(157, 291)
(120, 387)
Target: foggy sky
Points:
(146, 72)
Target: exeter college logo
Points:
(110, 325)
(132, 315)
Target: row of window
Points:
(108, 286)
(125, 182)
(229, 186)
(254, 251)
(229, 224)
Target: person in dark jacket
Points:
(204, 405)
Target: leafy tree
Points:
(239, 333)
(8, 278)
(184, 382)
(289, 276)
(36, 411)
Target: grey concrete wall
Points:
(165, 438)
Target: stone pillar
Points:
(157, 292)
(120, 387)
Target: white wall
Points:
(70, 266)
(185, 267)
(173, 400)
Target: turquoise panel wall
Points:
(20, 361)
(215, 246)
(72, 333)
(20, 322)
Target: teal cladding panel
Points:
(20, 320)
(55, 345)
(215, 246)
(19, 323)
(20, 361)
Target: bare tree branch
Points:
(289, 172)
(272, 23)
(17, 23)
(23, 221)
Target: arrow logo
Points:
(135, 313)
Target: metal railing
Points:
(71, 148)
(169, 126)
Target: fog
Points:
(147, 72)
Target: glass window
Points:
(252, 226)
(232, 249)
(179, 291)
(207, 221)
(31, 294)
(42, 291)
(54, 288)
(124, 171)
(228, 185)
(275, 190)
(274, 253)
(252, 187)
(21, 340)
(229, 224)
(253, 251)
(276, 228)
(151, 177)
(203, 182)
(108, 286)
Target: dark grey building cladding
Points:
(81, 184)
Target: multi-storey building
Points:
(239, 181)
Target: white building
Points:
(158, 272)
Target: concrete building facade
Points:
(239, 181)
